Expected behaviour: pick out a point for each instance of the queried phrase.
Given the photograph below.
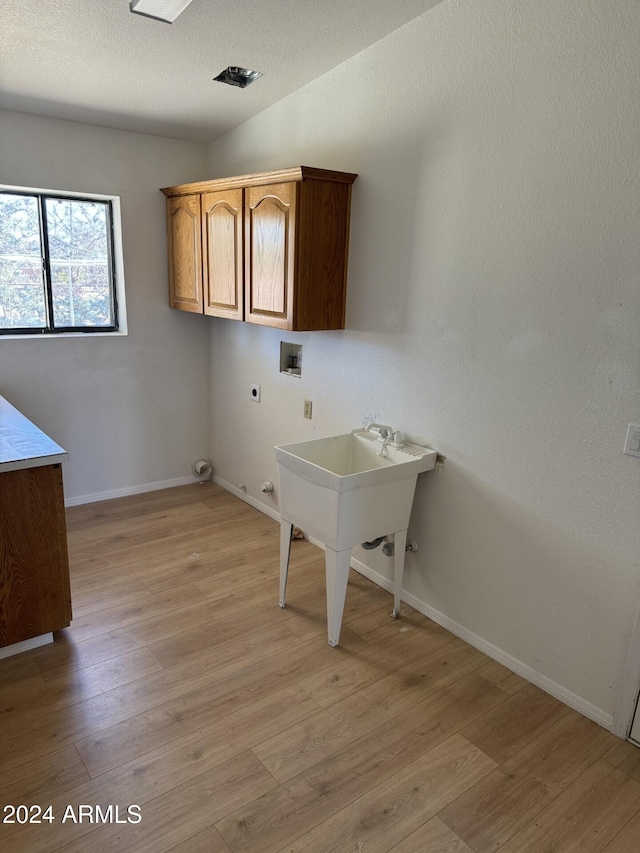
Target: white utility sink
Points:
(345, 490)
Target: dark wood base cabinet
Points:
(35, 596)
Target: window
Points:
(57, 263)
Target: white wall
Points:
(493, 312)
(131, 411)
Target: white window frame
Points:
(118, 267)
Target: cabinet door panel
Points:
(269, 231)
(185, 254)
(35, 596)
(270, 236)
(222, 248)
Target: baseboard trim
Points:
(130, 490)
(239, 493)
(26, 645)
(528, 673)
(557, 690)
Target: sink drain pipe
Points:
(388, 547)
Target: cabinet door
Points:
(270, 213)
(35, 597)
(222, 253)
(185, 253)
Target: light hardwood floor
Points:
(182, 687)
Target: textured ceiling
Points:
(93, 61)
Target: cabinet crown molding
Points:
(294, 173)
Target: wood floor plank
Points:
(161, 771)
(197, 644)
(215, 622)
(262, 562)
(22, 692)
(372, 663)
(230, 614)
(432, 837)
(126, 591)
(562, 752)
(125, 539)
(111, 523)
(502, 677)
(91, 716)
(300, 804)
(628, 839)
(200, 568)
(22, 706)
(134, 558)
(39, 780)
(626, 757)
(91, 573)
(309, 610)
(14, 669)
(583, 819)
(207, 841)
(378, 626)
(384, 816)
(169, 819)
(217, 573)
(505, 730)
(237, 729)
(92, 515)
(312, 741)
(490, 813)
(163, 723)
(123, 615)
(224, 619)
(68, 655)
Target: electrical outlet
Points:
(632, 444)
(308, 405)
(255, 393)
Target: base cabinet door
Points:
(270, 216)
(222, 253)
(185, 253)
(35, 595)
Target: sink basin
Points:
(344, 490)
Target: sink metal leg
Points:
(285, 552)
(337, 569)
(399, 547)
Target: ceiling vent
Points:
(236, 76)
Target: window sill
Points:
(35, 337)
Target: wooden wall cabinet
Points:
(269, 248)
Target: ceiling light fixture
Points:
(236, 76)
(160, 10)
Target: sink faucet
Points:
(383, 430)
(385, 441)
(386, 434)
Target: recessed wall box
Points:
(291, 359)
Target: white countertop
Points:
(22, 444)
